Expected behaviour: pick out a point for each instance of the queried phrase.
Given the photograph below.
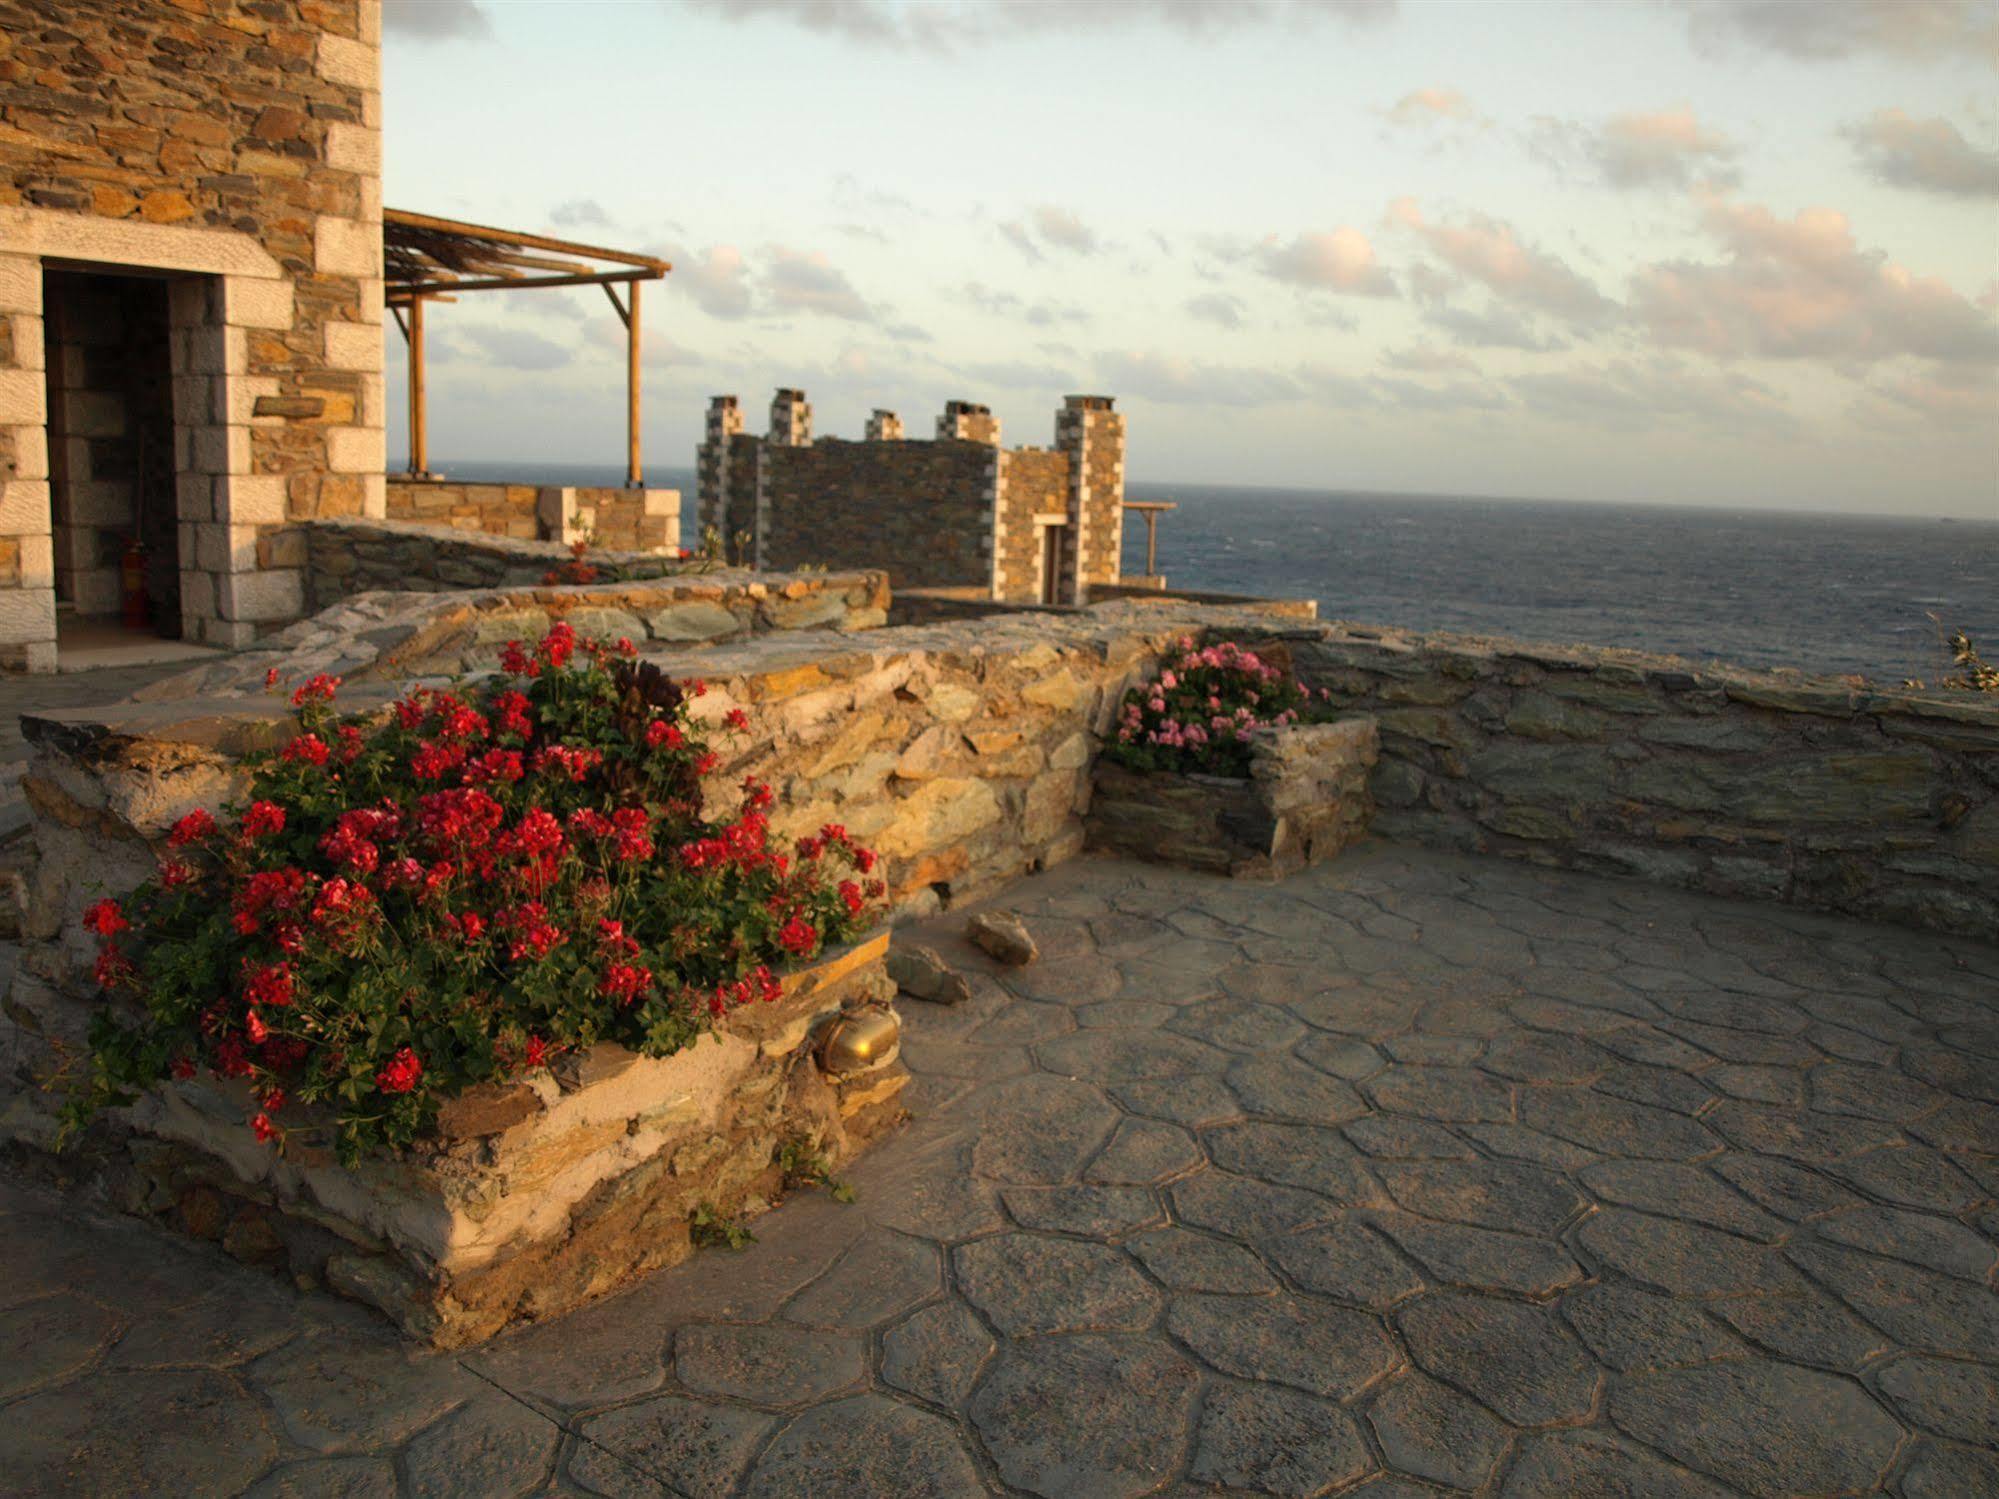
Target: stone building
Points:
(1030, 525)
(190, 305)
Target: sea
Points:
(1832, 594)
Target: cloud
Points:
(1488, 251)
(1431, 106)
(806, 281)
(1041, 314)
(908, 333)
(1927, 155)
(1644, 394)
(517, 348)
(1665, 149)
(1175, 380)
(1826, 30)
(1802, 288)
(980, 23)
(1495, 328)
(1218, 308)
(1048, 227)
(1427, 361)
(1338, 260)
(436, 20)
(1957, 396)
(1018, 374)
(578, 212)
(716, 278)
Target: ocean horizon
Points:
(1821, 592)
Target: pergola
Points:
(428, 259)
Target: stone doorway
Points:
(113, 470)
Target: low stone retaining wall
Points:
(1305, 799)
(635, 520)
(536, 1196)
(1881, 804)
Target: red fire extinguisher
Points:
(132, 585)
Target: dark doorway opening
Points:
(112, 468)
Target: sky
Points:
(1731, 252)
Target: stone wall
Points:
(234, 147)
(920, 510)
(624, 520)
(1305, 798)
(1034, 485)
(1776, 787)
(1092, 434)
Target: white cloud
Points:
(1218, 308)
(1430, 106)
(1667, 148)
(1494, 328)
(1928, 155)
(1048, 227)
(1173, 379)
(517, 348)
(806, 281)
(1802, 288)
(577, 212)
(1826, 30)
(1427, 361)
(969, 24)
(1039, 314)
(1489, 251)
(1648, 393)
(1338, 260)
(717, 278)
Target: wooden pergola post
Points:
(419, 406)
(634, 472)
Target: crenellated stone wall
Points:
(1881, 804)
(232, 147)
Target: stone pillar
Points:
(884, 426)
(27, 555)
(711, 464)
(1092, 434)
(969, 421)
(791, 419)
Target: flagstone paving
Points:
(1410, 1175)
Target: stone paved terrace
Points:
(1411, 1174)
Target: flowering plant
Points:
(455, 892)
(1199, 712)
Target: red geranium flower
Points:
(105, 918)
(263, 819)
(308, 749)
(192, 828)
(401, 1074)
(798, 936)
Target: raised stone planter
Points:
(1304, 800)
(540, 1194)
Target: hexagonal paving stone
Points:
(1777, 1085)
(1325, 1350)
(1944, 1470)
(1920, 1238)
(1808, 1327)
(1195, 1102)
(767, 1365)
(1918, 1308)
(1293, 1155)
(1041, 1129)
(1683, 1258)
(1027, 1283)
(878, 1278)
(1516, 1142)
(1023, 1023)
(329, 1478)
(1063, 1417)
(335, 1390)
(202, 1434)
(1519, 1361)
(1673, 1189)
(50, 1339)
(1340, 1056)
(1091, 1211)
(1594, 1461)
(1345, 1262)
(1945, 1396)
(1661, 1087)
(1185, 1261)
(217, 1331)
(1766, 1427)
(1485, 1194)
(1783, 1187)
(1480, 1258)
(1614, 1126)
(1244, 1207)
(1870, 1092)
(1795, 1134)
(865, 1444)
(1627, 1328)
(1428, 1430)
(1534, 1057)
(492, 1445)
(1276, 1441)
(1127, 1056)
(1278, 1087)
(1393, 1137)
(1144, 1151)
(937, 1353)
(1448, 1094)
(1238, 1025)
(699, 1446)
(1912, 1176)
